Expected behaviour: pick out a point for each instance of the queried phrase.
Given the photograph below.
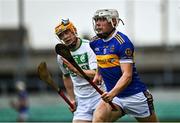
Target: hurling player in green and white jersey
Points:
(84, 97)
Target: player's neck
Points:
(78, 43)
(111, 33)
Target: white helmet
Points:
(20, 85)
(108, 14)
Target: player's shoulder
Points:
(95, 38)
(85, 43)
(122, 38)
(58, 56)
(85, 40)
(119, 37)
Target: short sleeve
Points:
(92, 59)
(126, 52)
(61, 65)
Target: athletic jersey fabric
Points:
(110, 54)
(86, 59)
(22, 95)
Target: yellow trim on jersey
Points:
(94, 38)
(106, 61)
(119, 38)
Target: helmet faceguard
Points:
(110, 15)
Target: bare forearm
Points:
(122, 83)
(69, 87)
(90, 73)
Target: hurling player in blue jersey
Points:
(114, 53)
(22, 103)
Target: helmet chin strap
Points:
(106, 34)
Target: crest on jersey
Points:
(112, 48)
(104, 51)
(96, 49)
(83, 58)
(128, 52)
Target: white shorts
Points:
(23, 116)
(86, 107)
(137, 105)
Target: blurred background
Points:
(27, 38)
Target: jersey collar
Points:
(80, 42)
(111, 36)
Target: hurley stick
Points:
(64, 51)
(46, 77)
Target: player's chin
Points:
(100, 32)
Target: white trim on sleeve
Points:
(126, 61)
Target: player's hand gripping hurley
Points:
(63, 50)
(46, 77)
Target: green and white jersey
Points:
(86, 59)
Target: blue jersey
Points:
(110, 54)
(23, 97)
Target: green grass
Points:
(166, 111)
